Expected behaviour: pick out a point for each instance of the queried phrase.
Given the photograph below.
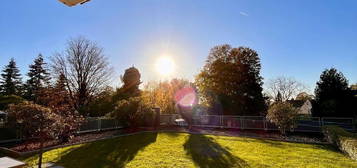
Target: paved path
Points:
(7, 162)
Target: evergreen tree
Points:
(61, 84)
(38, 78)
(10, 83)
(333, 96)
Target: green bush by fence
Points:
(345, 141)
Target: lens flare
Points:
(186, 97)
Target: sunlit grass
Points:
(185, 150)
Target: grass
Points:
(188, 150)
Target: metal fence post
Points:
(99, 124)
(157, 117)
(320, 123)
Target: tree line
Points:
(75, 83)
(230, 83)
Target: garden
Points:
(74, 118)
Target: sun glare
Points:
(165, 66)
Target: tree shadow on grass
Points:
(107, 153)
(206, 153)
(328, 147)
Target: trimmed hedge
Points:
(345, 141)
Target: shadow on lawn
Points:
(206, 153)
(107, 153)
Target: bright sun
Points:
(165, 66)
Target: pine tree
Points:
(38, 78)
(333, 96)
(60, 88)
(61, 83)
(10, 83)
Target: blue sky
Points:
(293, 38)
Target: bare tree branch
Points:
(85, 68)
(287, 87)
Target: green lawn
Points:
(186, 150)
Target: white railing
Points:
(310, 124)
(90, 125)
(99, 124)
(306, 124)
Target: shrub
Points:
(283, 115)
(38, 122)
(132, 111)
(345, 141)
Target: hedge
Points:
(345, 141)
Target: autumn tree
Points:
(231, 77)
(38, 122)
(10, 82)
(161, 94)
(85, 69)
(333, 95)
(38, 78)
(283, 115)
(286, 88)
(59, 101)
(55, 95)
